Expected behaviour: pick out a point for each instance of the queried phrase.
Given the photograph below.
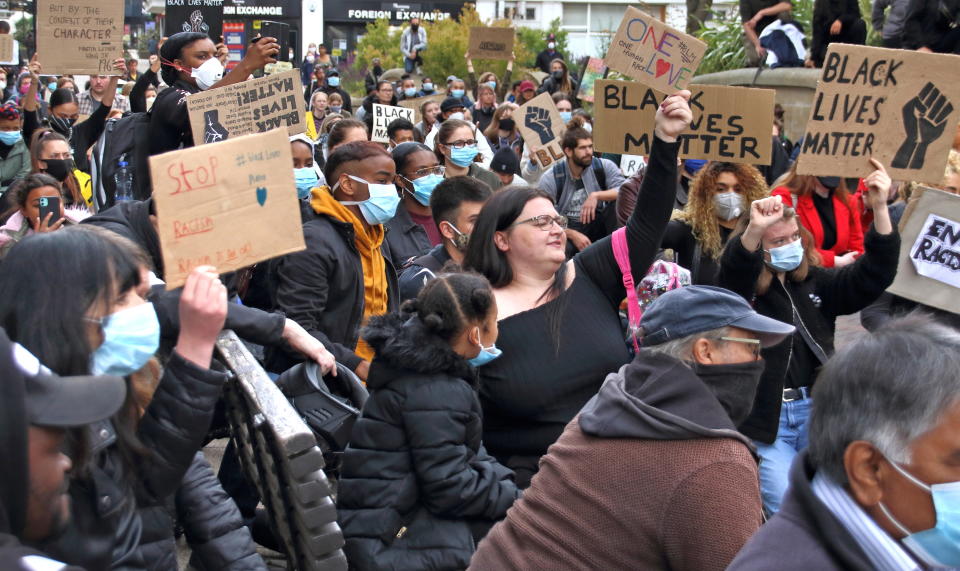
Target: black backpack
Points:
(560, 177)
(123, 139)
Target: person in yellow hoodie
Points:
(343, 277)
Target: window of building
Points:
(519, 11)
(601, 19)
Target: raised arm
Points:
(649, 220)
(259, 54)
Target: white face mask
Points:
(209, 73)
(457, 115)
(3, 85)
(150, 101)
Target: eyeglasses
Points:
(754, 342)
(544, 222)
(462, 144)
(438, 170)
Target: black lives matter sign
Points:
(201, 16)
(729, 123)
(899, 107)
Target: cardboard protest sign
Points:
(729, 123)
(653, 53)
(383, 115)
(6, 47)
(541, 128)
(253, 106)
(929, 269)
(491, 43)
(228, 205)
(591, 73)
(203, 16)
(417, 102)
(900, 107)
(79, 36)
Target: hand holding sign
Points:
(537, 119)
(203, 311)
(924, 120)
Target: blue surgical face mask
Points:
(333, 81)
(565, 116)
(10, 138)
(409, 91)
(786, 258)
(486, 355)
(938, 546)
(463, 157)
(52, 85)
(130, 338)
(428, 86)
(458, 93)
(306, 178)
(423, 187)
(382, 204)
(492, 84)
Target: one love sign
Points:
(653, 53)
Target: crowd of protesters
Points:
(518, 416)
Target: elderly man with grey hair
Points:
(879, 486)
(652, 474)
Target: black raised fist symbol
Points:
(213, 131)
(538, 121)
(924, 120)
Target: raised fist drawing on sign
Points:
(538, 121)
(924, 120)
(196, 23)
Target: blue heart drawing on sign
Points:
(261, 195)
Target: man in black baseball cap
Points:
(653, 473)
(36, 408)
(506, 165)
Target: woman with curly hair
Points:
(698, 233)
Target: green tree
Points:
(380, 41)
(535, 41)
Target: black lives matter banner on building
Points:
(202, 16)
(898, 106)
(729, 123)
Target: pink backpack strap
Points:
(622, 254)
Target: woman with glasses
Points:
(412, 232)
(51, 153)
(457, 150)
(560, 328)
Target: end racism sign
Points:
(929, 267)
(228, 205)
(383, 115)
(653, 53)
(729, 123)
(900, 107)
(253, 106)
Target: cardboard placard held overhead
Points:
(593, 71)
(417, 102)
(541, 128)
(900, 107)
(79, 36)
(491, 43)
(383, 115)
(203, 16)
(653, 53)
(252, 106)
(228, 205)
(6, 47)
(729, 123)
(929, 268)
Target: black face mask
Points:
(59, 168)
(734, 385)
(61, 125)
(507, 125)
(557, 75)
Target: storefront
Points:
(242, 21)
(345, 22)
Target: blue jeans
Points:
(775, 459)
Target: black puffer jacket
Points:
(417, 486)
(105, 529)
(819, 299)
(211, 522)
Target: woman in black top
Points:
(774, 264)
(181, 57)
(64, 111)
(718, 195)
(560, 329)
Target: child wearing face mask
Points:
(418, 490)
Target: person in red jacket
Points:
(828, 211)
